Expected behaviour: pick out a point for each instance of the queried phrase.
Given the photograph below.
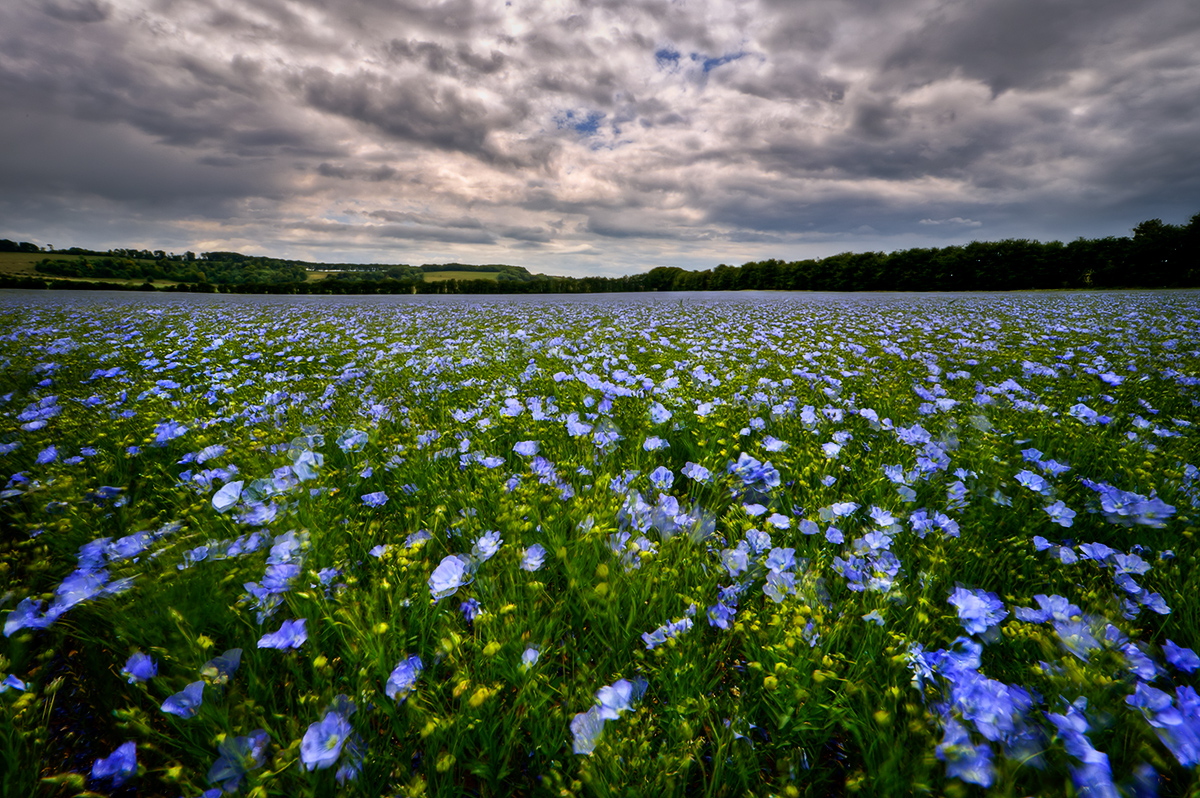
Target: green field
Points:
(817, 546)
(435, 277)
(21, 264)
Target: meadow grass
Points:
(748, 546)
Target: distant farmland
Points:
(434, 277)
(21, 264)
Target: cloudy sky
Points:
(592, 136)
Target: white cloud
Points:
(957, 220)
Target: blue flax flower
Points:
(535, 555)
(119, 766)
(488, 544)
(1060, 514)
(292, 634)
(586, 728)
(219, 669)
(238, 756)
(978, 610)
(227, 496)
(404, 678)
(779, 585)
(376, 499)
(140, 668)
(322, 743)
(469, 609)
(662, 478)
(27, 615)
(185, 703)
(452, 573)
(1182, 658)
(964, 760)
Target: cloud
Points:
(957, 220)
(608, 134)
(78, 10)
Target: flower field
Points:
(760, 544)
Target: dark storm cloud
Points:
(1010, 43)
(658, 131)
(440, 116)
(78, 10)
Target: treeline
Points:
(7, 245)
(216, 271)
(1157, 255)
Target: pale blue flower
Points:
(227, 496)
(487, 545)
(662, 478)
(292, 634)
(322, 743)
(696, 472)
(1060, 514)
(526, 448)
(530, 657)
(978, 610)
(1033, 481)
(964, 760)
(614, 699)
(779, 585)
(535, 555)
(168, 431)
(417, 538)
(452, 573)
(376, 499)
(781, 559)
(586, 728)
(736, 561)
(659, 414)
(1097, 551)
(352, 440)
(758, 540)
(843, 509)
(403, 679)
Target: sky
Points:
(584, 137)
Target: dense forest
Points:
(1157, 255)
